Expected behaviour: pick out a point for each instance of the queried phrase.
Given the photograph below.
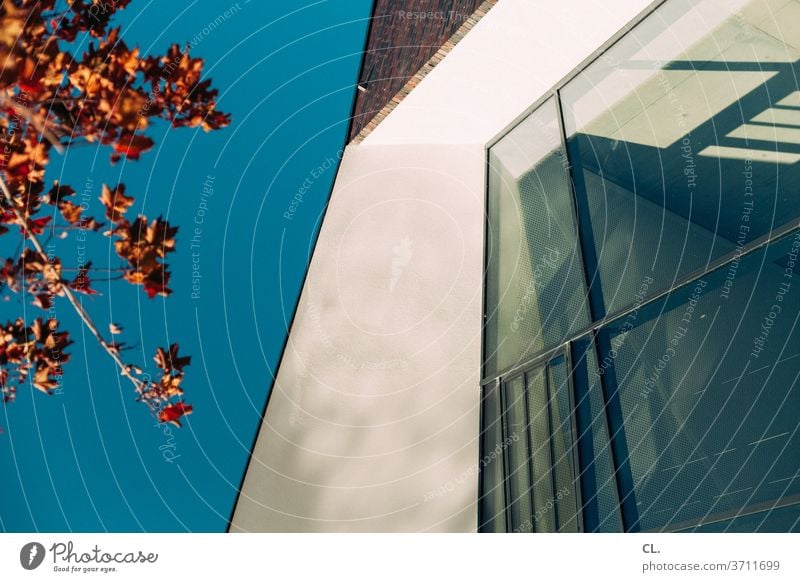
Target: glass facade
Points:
(641, 348)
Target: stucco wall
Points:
(373, 420)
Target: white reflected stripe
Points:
(779, 116)
(791, 100)
(767, 133)
(750, 154)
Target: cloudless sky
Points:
(91, 458)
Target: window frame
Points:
(626, 512)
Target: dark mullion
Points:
(582, 223)
(481, 472)
(487, 246)
(577, 490)
(785, 230)
(553, 485)
(501, 388)
(597, 311)
(529, 450)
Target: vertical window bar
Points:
(619, 449)
(506, 460)
(541, 459)
(529, 449)
(481, 470)
(577, 490)
(492, 501)
(548, 394)
(619, 442)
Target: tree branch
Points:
(41, 126)
(87, 320)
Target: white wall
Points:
(516, 53)
(375, 405)
(374, 417)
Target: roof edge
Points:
(445, 49)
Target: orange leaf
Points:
(174, 412)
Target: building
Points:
(556, 286)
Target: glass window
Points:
(596, 473)
(708, 386)
(685, 142)
(492, 476)
(771, 520)
(563, 462)
(644, 226)
(519, 475)
(538, 447)
(534, 278)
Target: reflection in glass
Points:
(682, 148)
(492, 502)
(519, 477)
(534, 280)
(685, 142)
(708, 384)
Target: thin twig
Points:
(87, 320)
(94, 269)
(40, 126)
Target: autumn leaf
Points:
(38, 347)
(169, 360)
(43, 301)
(71, 212)
(131, 146)
(42, 380)
(58, 193)
(104, 93)
(172, 413)
(116, 202)
(37, 224)
(81, 282)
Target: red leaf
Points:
(131, 146)
(173, 412)
(30, 86)
(37, 225)
(82, 283)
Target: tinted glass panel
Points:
(678, 409)
(492, 501)
(519, 477)
(597, 474)
(565, 494)
(685, 142)
(543, 498)
(708, 385)
(777, 520)
(535, 290)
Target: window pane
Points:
(598, 480)
(562, 449)
(535, 294)
(777, 520)
(518, 454)
(543, 498)
(685, 142)
(492, 502)
(708, 385)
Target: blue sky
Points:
(92, 459)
